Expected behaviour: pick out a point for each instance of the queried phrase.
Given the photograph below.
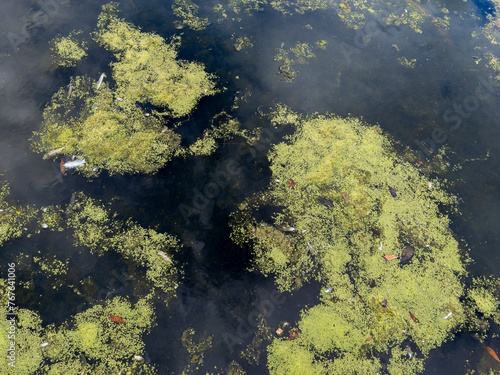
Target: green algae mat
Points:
(346, 210)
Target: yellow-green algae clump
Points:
(188, 12)
(342, 199)
(123, 129)
(195, 349)
(353, 13)
(302, 52)
(93, 227)
(13, 218)
(148, 70)
(484, 303)
(67, 51)
(87, 343)
(90, 342)
(19, 341)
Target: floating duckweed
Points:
(407, 63)
(491, 30)
(51, 218)
(342, 209)
(292, 359)
(148, 248)
(354, 13)
(96, 344)
(143, 247)
(282, 115)
(91, 223)
(52, 266)
(242, 42)
(195, 350)
(234, 368)
(108, 127)
(486, 303)
(27, 355)
(187, 11)
(302, 52)
(12, 218)
(401, 364)
(321, 44)
(67, 51)
(217, 8)
(261, 337)
(147, 69)
(88, 337)
(484, 297)
(203, 147)
(247, 6)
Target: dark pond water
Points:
(217, 293)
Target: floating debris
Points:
(139, 358)
(44, 344)
(328, 290)
(294, 334)
(447, 316)
(72, 199)
(285, 228)
(407, 254)
(291, 182)
(62, 168)
(164, 256)
(53, 152)
(345, 196)
(116, 319)
(492, 353)
(279, 331)
(326, 202)
(75, 163)
(408, 350)
(413, 317)
(99, 83)
(390, 257)
(393, 192)
(311, 249)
